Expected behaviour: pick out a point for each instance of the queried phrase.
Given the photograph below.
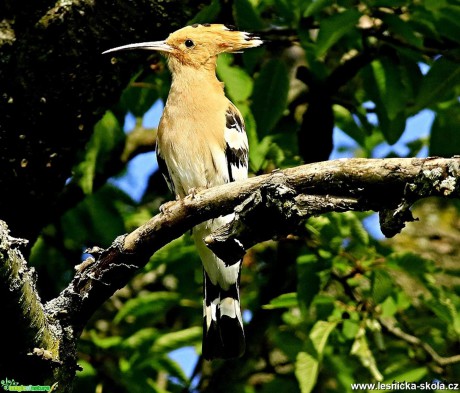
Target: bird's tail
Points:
(223, 335)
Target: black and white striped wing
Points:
(236, 145)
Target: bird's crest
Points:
(216, 37)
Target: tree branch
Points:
(391, 327)
(289, 196)
(26, 329)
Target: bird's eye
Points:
(189, 43)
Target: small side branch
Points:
(397, 332)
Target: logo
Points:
(11, 385)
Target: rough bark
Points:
(287, 197)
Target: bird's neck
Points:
(190, 80)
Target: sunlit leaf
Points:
(285, 300)
(238, 84)
(316, 6)
(307, 363)
(105, 342)
(150, 304)
(171, 341)
(413, 375)
(439, 83)
(140, 338)
(361, 350)
(107, 136)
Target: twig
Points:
(397, 332)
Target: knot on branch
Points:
(104, 266)
(437, 181)
(269, 212)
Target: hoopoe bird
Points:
(202, 143)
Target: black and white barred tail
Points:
(223, 335)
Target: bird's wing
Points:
(236, 145)
(164, 169)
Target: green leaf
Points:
(360, 349)
(246, 16)
(308, 281)
(389, 85)
(238, 84)
(381, 285)
(96, 220)
(316, 6)
(350, 328)
(269, 98)
(139, 98)
(389, 307)
(415, 265)
(334, 28)
(392, 129)
(105, 342)
(443, 308)
(438, 84)
(107, 136)
(448, 24)
(149, 304)
(140, 338)
(208, 14)
(171, 341)
(173, 369)
(289, 10)
(402, 29)
(386, 90)
(307, 363)
(258, 150)
(357, 230)
(345, 121)
(286, 300)
(445, 136)
(413, 375)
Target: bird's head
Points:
(198, 45)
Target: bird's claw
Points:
(166, 206)
(193, 191)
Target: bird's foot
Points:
(193, 191)
(167, 205)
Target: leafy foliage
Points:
(323, 302)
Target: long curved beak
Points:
(161, 46)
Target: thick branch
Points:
(355, 184)
(24, 318)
